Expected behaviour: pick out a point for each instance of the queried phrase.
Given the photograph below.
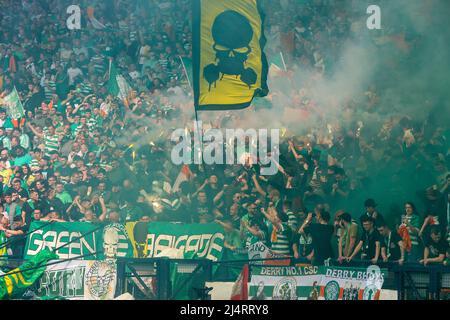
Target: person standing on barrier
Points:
(281, 235)
(232, 239)
(435, 248)
(321, 233)
(253, 231)
(348, 236)
(302, 245)
(409, 232)
(370, 242)
(392, 249)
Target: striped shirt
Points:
(77, 130)
(86, 88)
(34, 163)
(51, 143)
(448, 237)
(92, 124)
(292, 221)
(133, 36)
(164, 63)
(412, 220)
(282, 244)
(49, 90)
(99, 64)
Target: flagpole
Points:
(109, 70)
(49, 264)
(282, 59)
(185, 72)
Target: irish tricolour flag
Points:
(117, 85)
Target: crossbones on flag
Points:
(229, 64)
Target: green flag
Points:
(14, 106)
(15, 282)
(277, 65)
(117, 85)
(3, 249)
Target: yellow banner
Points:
(230, 67)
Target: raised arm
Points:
(258, 186)
(218, 196)
(308, 219)
(35, 132)
(102, 217)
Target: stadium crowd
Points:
(82, 154)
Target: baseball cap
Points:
(52, 209)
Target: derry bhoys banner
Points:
(351, 283)
(315, 283)
(79, 280)
(116, 240)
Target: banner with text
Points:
(352, 283)
(195, 241)
(284, 283)
(79, 280)
(315, 283)
(138, 240)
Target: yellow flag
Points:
(230, 67)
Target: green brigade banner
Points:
(196, 241)
(229, 64)
(316, 283)
(79, 280)
(139, 240)
(112, 240)
(59, 233)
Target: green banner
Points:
(198, 241)
(60, 233)
(158, 239)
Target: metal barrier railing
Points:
(411, 280)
